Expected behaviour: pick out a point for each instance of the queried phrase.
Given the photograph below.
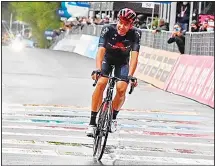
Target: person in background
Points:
(98, 20)
(90, 20)
(194, 26)
(161, 27)
(183, 13)
(178, 37)
(210, 27)
(5, 38)
(140, 22)
(106, 20)
(61, 30)
(203, 26)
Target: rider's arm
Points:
(102, 47)
(135, 53)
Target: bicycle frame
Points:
(111, 84)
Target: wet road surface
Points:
(46, 108)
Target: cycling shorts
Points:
(120, 70)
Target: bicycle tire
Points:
(96, 137)
(104, 145)
(109, 118)
(103, 118)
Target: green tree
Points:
(40, 16)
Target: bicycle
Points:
(104, 120)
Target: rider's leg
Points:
(98, 92)
(97, 98)
(119, 98)
(121, 71)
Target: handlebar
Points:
(98, 73)
(131, 87)
(94, 84)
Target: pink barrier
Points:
(211, 100)
(193, 77)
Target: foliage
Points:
(40, 16)
(155, 22)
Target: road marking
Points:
(131, 126)
(110, 139)
(117, 148)
(163, 160)
(87, 108)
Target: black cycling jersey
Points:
(118, 47)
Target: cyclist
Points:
(117, 43)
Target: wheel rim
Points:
(100, 138)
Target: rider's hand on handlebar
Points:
(95, 74)
(133, 81)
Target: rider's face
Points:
(123, 27)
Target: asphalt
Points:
(46, 99)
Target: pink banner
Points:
(193, 77)
(204, 17)
(211, 100)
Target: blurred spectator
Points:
(210, 27)
(98, 20)
(72, 21)
(194, 26)
(140, 22)
(83, 20)
(106, 20)
(143, 25)
(89, 21)
(178, 37)
(203, 26)
(162, 26)
(59, 31)
(5, 38)
(183, 13)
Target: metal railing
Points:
(199, 43)
(196, 43)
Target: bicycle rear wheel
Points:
(101, 134)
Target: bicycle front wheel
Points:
(101, 134)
